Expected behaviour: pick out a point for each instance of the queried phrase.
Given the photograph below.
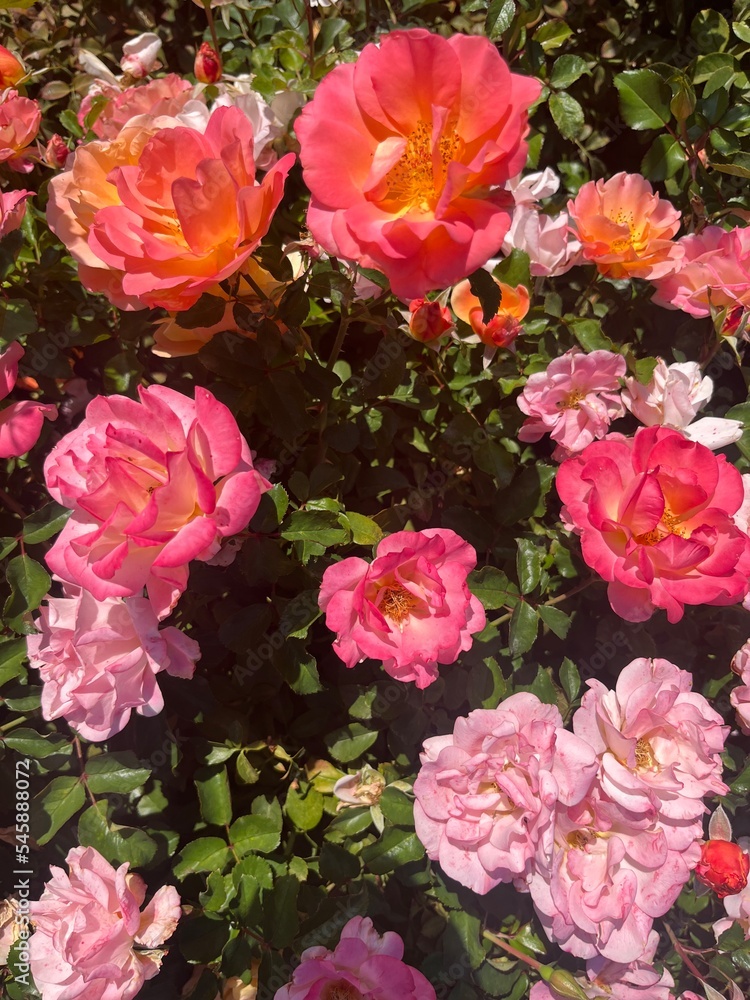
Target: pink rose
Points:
(140, 55)
(20, 423)
(12, 210)
(99, 660)
(363, 964)
(89, 925)
(609, 875)
(637, 980)
(166, 96)
(574, 400)
(153, 485)
(659, 744)
(546, 239)
(20, 119)
(411, 607)
(655, 516)
(673, 397)
(740, 696)
(406, 153)
(486, 794)
(714, 273)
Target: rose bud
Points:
(723, 867)
(11, 69)
(428, 320)
(56, 152)
(208, 68)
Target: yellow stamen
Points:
(397, 603)
(572, 401)
(644, 755)
(416, 180)
(670, 524)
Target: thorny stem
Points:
(682, 953)
(513, 951)
(12, 504)
(552, 601)
(81, 762)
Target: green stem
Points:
(16, 722)
(513, 951)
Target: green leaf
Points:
(115, 772)
(320, 526)
(515, 269)
(214, 796)
(207, 854)
(570, 679)
(44, 523)
(552, 35)
(486, 290)
(567, 114)
(710, 31)
(57, 802)
(493, 588)
(499, 18)
(567, 70)
(207, 311)
(397, 807)
(17, 320)
(337, 864)
(466, 932)
(29, 584)
(304, 808)
(282, 919)
(298, 667)
(30, 743)
(395, 848)
(591, 337)
(255, 833)
(664, 159)
(116, 843)
(555, 620)
(644, 99)
(543, 687)
(12, 655)
(365, 531)
(528, 564)
(524, 624)
(350, 742)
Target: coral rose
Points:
(161, 215)
(406, 153)
(574, 400)
(609, 875)
(98, 660)
(153, 485)
(723, 867)
(411, 607)
(363, 964)
(428, 320)
(92, 939)
(12, 210)
(659, 744)
(674, 395)
(20, 423)
(626, 229)
(714, 273)
(486, 794)
(503, 328)
(11, 69)
(168, 96)
(20, 119)
(656, 518)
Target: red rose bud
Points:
(723, 867)
(208, 68)
(11, 69)
(428, 320)
(56, 152)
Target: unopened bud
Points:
(428, 320)
(56, 152)
(563, 984)
(208, 68)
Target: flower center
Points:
(644, 755)
(669, 525)
(418, 178)
(397, 603)
(340, 989)
(572, 401)
(579, 839)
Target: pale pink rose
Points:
(9, 927)
(363, 964)
(92, 939)
(637, 980)
(20, 119)
(740, 696)
(407, 165)
(98, 660)
(12, 210)
(574, 400)
(153, 485)
(361, 789)
(140, 55)
(486, 794)
(626, 229)
(673, 397)
(167, 96)
(656, 518)
(20, 423)
(659, 744)
(177, 212)
(609, 875)
(529, 189)
(546, 239)
(714, 273)
(737, 906)
(411, 607)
